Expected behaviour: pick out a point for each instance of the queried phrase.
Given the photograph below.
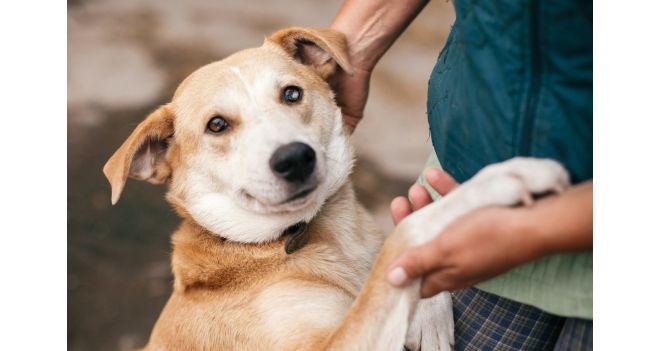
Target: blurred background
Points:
(125, 57)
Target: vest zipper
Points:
(531, 101)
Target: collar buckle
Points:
(297, 237)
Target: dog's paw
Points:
(432, 327)
(516, 180)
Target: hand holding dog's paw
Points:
(476, 247)
(487, 240)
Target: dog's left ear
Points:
(142, 155)
(321, 48)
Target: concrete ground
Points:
(125, 57)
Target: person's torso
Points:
(515, 79)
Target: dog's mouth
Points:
(301, 194)
(293, 202)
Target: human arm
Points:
(370, 27)
(493, 240)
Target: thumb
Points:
(413, 263)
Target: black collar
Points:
(297, 237)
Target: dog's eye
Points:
(292, 94)
(217, 125)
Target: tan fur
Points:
(231, 295)
(221, 287)
(158, 125)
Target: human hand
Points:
(351, 93)
(370, 27)
(419, 197)
(476, 247)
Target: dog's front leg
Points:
(379, 318)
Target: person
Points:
(514, 79)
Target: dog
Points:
(274, 251)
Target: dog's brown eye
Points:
(292, 94)
(217, 125)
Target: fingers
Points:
(419, 196)
(351, 122)
(435, 283)
(440, 181)
(446, 279)
(414, 263)
(425, 261)
(400, 208)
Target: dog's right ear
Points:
(142, 155)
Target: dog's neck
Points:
(204, 259)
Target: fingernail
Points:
(397, 276)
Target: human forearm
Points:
(558, 224)
(372, 27)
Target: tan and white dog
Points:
(274, 252)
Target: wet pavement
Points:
(125, 57)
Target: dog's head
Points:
(249, 145)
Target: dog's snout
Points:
(294, 162)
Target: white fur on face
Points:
(235, 194)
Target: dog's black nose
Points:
(293, 162)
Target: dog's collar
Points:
(297, 237)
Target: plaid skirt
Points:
(484, 321)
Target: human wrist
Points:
(371, 27)
(359, 53)
(531, 234)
